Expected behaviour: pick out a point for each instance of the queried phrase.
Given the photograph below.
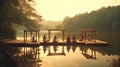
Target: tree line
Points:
(103, 19)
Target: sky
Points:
(58, 9)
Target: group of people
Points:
(55, 39)
(69, 39)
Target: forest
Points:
(103, 19)
(14, 13)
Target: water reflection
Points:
(35, 56)
(68, 48)
(74, 48)
(45, 48)
(115, 62)
(70, 56)
(91, 55)
(55, 48)
(29, 57)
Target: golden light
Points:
(58, 9)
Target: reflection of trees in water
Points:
(28, 57)
(7, 55)
(114, 44)
(23, 56)
(115, 62)
(110, 50)
(29, 60)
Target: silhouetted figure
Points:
(55, 48)
(74, 39)
(68, 39)
(44, 39)
(55, 39)
(33, 39)
(68, 48)
(74, 48)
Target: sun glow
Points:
(58, 9)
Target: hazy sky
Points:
(58, 9)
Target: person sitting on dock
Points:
(44, 39)
(74, 39)
(55, 39)
(33, 39)
(68, 39)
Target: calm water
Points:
(69, 56)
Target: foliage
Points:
(17, 12)
(104, 19)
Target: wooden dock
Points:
(21, 43)
(87, 37)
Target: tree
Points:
(17, 12)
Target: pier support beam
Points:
(62, 30)
(89, 35)
(32, 33)
(49, 35)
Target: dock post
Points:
(38, 36)
(85, 37)
(63, 35)
(95, 54)
(94, 36)
(24, 36)
(49, 35)
(62, 49)
(31, 34)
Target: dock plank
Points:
(97, 42)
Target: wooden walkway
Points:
(21, 43)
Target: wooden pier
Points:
(21, 43)
(87, 38)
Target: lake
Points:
(69, 56)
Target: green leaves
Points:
(17, 12)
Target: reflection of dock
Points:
(90, 55)
(21, 43)
(56, 53)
